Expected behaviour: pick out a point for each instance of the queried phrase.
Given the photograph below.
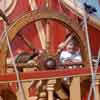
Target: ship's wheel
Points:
(47, 14)
(47, 43)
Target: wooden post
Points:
(3, 65)
(50, 89)
(75, 92)
(42, 96)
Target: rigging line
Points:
(89, 52)
(92, 73)
(95, 71)
(13, 60)
(15, 67)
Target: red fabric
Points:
(94, 40)
(21, 8)
(69, 13)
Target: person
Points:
(71, 53)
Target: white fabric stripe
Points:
(39, 26)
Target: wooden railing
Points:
(48, 74)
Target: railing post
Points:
(50, 89)
(75, 92)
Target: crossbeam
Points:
(47, 74)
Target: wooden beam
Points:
(48, 74)
(2, 61)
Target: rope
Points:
(90, 58)
(95, 70)
(13, 61)
(15, 67)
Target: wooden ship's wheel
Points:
(46, 15)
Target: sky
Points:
(94, 3)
